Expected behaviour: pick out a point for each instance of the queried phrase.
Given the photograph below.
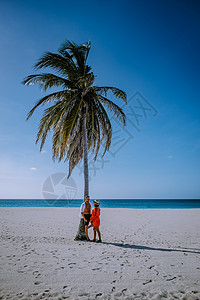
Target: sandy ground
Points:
(145, 254)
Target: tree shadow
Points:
(141, 247)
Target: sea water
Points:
(107, 203)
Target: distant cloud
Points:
(170, 156)
(33, 169)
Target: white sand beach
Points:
(145, 254)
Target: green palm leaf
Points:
(115, 91)
(117, 111)
(49, 98)
(47, 80)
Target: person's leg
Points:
(87, 220)
(86, 232)
(99, 233)
(94, 228)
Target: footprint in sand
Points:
(84, 294)
(149, 281)
(35, 272)
(37, 282)
(171, 278)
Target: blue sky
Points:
(150, 49)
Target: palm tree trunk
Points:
(81, 229)
(85, 158)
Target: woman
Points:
(95, 220)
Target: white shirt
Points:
(83, 208)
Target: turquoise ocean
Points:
(107, 203)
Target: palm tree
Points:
(77, 116)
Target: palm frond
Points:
(49, 98)
(48, 121)
(76, 52)
(105, 126)
(115, 91)
(47, 80)
(61, 135)
(75, 157)
(57, 62)
(79, 53)
(114, 108)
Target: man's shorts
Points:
(87, 218)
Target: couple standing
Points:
(91, 215)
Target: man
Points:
(86, 212)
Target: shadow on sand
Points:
(140, 247)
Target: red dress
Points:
(95, 217)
